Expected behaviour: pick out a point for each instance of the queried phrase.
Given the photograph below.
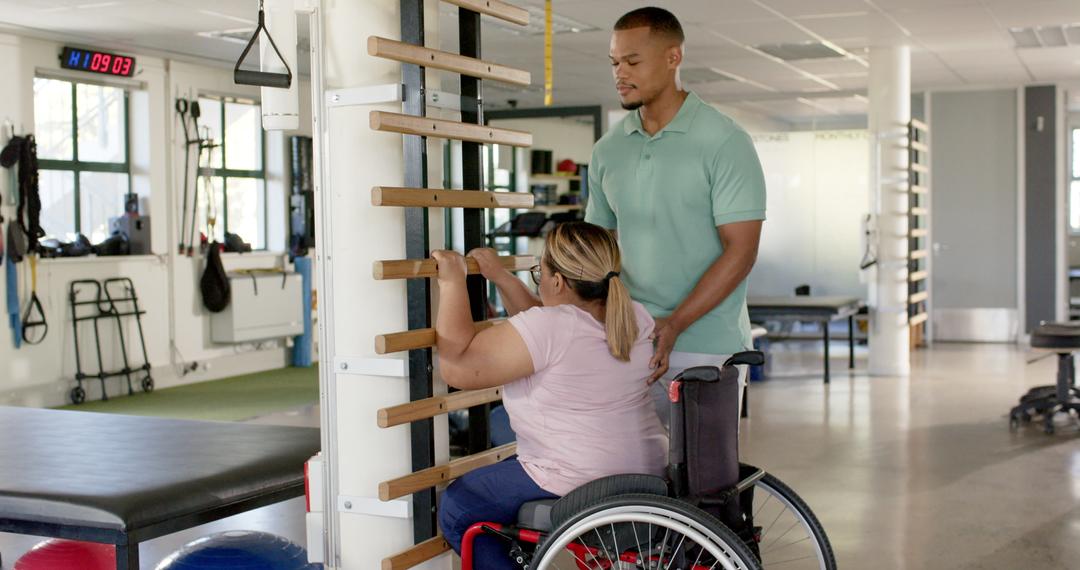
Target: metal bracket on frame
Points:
(388, 93)
(389, 367)
(398, 508)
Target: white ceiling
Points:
(955, 44)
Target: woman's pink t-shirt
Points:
(583, 414)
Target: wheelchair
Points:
(709, 512)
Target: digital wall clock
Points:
(97, 62)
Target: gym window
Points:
(81, 131)
(234, 168)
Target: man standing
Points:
(682, 186)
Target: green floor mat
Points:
(230, 399)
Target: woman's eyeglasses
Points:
(534, 271)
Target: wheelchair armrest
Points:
(707, 374)
(748, 358)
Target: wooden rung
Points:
(431, 407)
(918, 189)
(415, 339)
(919, 125)
(920, 168)
(416, 555)
(919, 254)
(919, 211)
(410, 125)
(417, 268)
(919, 297)
(427, 478)
(429, 198)
(495, 8)
(918, 319)
(918, 276)
(410, 53)
(919, 232)
(921, 147)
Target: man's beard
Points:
(632, 106)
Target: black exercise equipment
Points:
(182, 109)
(1063, 397)
(34, 317)
(196, 113)
(22, 151)
(214, 284)
(114, 299)
(262, 78)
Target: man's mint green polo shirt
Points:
(666, 195)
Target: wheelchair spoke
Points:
(793, 525)
(602, 545)
(807, 557)
(766, 531)
(581, 560)
(779, 548)
(671, 559)
(637, 541)
(615, 537)
(760, 508)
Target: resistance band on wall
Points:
(548, 70)
(34, 317)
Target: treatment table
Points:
(809, 309)
(124, 480)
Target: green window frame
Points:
(77, 166)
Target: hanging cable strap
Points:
(262, 78)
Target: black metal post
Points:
(472, 179)
(418, 290)
(825, 325)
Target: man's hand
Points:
(488, 260)
(452, 268)
(664, 336)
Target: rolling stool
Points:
(1048, 401)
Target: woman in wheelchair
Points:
(593, 485)
(574, 363)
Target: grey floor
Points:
(916, 473)
(923, 472)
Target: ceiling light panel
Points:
(799, 51)
(1046, 36)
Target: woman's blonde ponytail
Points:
(620, 322)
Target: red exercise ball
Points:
(57, 554)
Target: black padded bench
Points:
(1048, 401)
(124, 480)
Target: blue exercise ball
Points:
(239, 550)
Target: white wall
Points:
(175, 326)
(818, 193)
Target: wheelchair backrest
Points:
(711, 428)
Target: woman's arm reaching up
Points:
(469, 360)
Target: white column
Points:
(353, 307)
(890, 111)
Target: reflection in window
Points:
(236, 170)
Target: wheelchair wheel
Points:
(790, 535)
(643, 532)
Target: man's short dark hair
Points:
(659, 20)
